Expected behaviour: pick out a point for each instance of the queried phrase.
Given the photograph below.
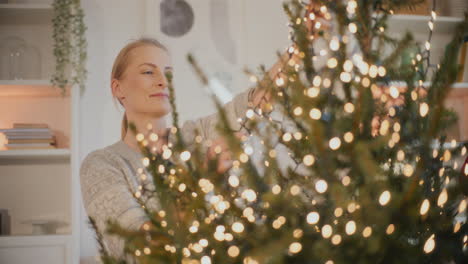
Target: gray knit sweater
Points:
(109, 175)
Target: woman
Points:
(138, 82)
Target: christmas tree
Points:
(371, 177)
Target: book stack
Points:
(29, 136)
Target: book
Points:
(25, 130)
(29, 136)
(30, 125)
(28, 140)
(27, 144)
(30, 147)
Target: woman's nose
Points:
(162, 82)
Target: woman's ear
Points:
(117, 89)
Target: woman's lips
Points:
(159, 95)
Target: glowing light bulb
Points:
(327, 231)
(185, 155)
(367, 232)
(349, 107)
(443, 197)
(295, 247)
(334, 44)
(429, 245)
(424, 207)
(384, 198)
(233, 251)
(350, 227)
(308, 160)
(332, 63)
(313, 218)
(335, 143)
(315, 114)
(321, 186)
(423, 109)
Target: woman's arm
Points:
(106, 195)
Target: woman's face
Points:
(143, 86)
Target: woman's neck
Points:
(146, 126)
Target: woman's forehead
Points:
(150, 54)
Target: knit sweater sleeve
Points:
(206, 126)
(107, 195)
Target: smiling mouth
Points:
(159, 95)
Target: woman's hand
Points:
(221, 148)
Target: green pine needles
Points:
(344, 167)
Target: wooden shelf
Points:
(418, 24)
(25, 12)
(32, 88)
(29, 154)
(26, 240)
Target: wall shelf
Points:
(15, 240)
(41, 11)
(33, 88)
(28, 154)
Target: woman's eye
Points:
(148, 72)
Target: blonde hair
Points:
(121, 63)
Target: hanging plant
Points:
(69, 44)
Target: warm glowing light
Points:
(249, 195)
(424, 207)
(205, 260)
(298, 111)
(313, 92)
(332, 63)
(352, 28)
(423, 109)
(338, 212)
(276, 189)
(348, 137)
(315, 114)
(233, 181)
(335, 143)
(313, 218)
(349, 107)
(408, 170)
(334, 44)
(308, 160)
(394, 92)
(295, 247)
(295, 190)
(350, 227)
(327, 231)
(429, 245)
(385, 198)
(185, 155)
(287, 137)
(238, 227)
(443, 197)
(390, 229)
(345, 77)
(462, 206)
(321, 186)
(348, 66)
(336, 239)
(233, 251)
(367, 232)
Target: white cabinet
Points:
(37, 185)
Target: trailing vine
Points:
(69, 44)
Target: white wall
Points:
(258, 29)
